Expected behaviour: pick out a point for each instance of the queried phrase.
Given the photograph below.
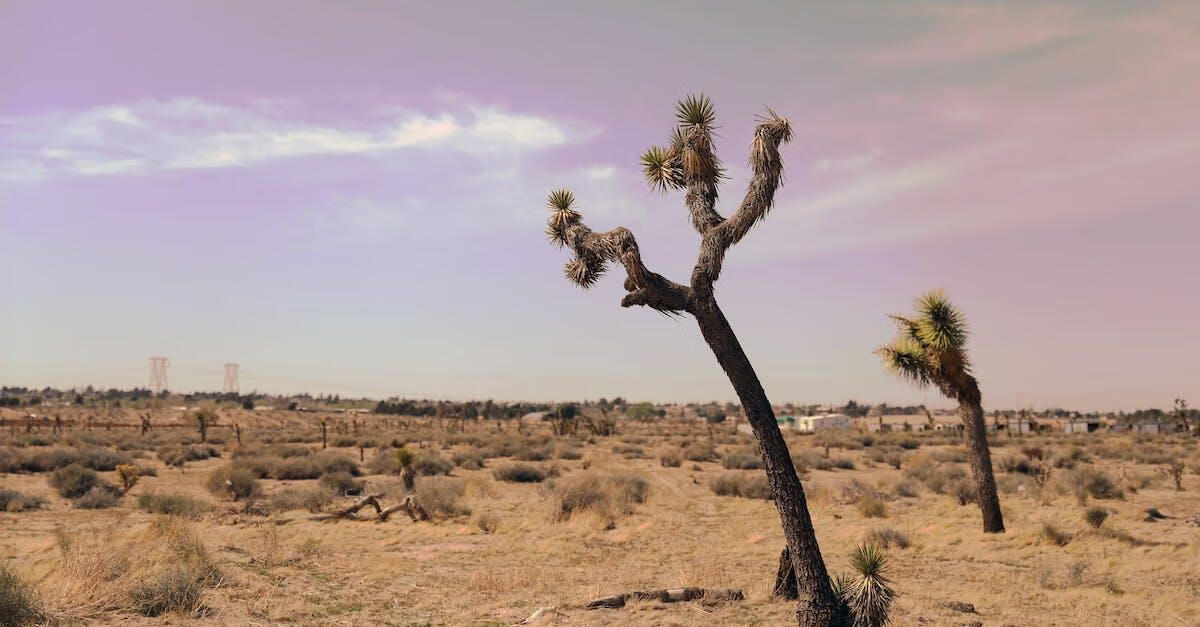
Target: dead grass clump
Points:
(161, 569)
(887, 537)
(442, 496)
(487, 522)
(906, 488)
(610, 496)
(742, 459)
(520, 473)
(871, 506)
(671, 458)
(172, 504)
(19, 604)
(630, 451)
(233, 482)
(1054, 535)
(749, 485)
(12, 501)
(1095, 517)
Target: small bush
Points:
(871, 506)
(171, 504)
(469, 460)
(843, 463)
(176, 589)
(99, 497)
(233, 482)
(532, 453)
(313, 499)
(1053, 535)
(73, 481)
(1095, 483)
(442, 496)
(18, 603)
(341, 483)
(487, 522)
(700, 452)
(429, 463)
(887, 538)
(744, 484)
(630, 451)
(742, 459)
(671, 458)
(519, 473)
(1095, 517)
(608, 495)
(12, 501)
(964, 491)
(906, 488)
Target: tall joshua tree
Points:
(931, 349)
(689, 163)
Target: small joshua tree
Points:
(689, 163)
(127, 476)
(865, 597)
(404, 461)
(931, 350)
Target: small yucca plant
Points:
(1095, 517)
(404, 461)
(127, 476)
(865, 596)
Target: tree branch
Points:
(593, 251)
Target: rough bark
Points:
(816, 605)
(971, 412)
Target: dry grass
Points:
(518, 552)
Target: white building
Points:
(821, 422)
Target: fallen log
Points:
(670, 595)
(351, 512)
(409, 506)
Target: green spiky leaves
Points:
(940, 326)
(695, 110)
(584, 271)
(930, 347)
(869, 594)
(562, 215)
(661, 168)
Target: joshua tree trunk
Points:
(971, 412)
(812, 581)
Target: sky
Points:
(350, 197)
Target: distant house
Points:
(821, 422)
(1081, 425)
(1154, 426)
(534, 416)
(1012, 424)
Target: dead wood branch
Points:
(671, 595)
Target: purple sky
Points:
(350, 197)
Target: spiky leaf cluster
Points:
(930, 347)
(562, 216)
(689, 156)
(867, 593)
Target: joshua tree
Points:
(931, 350)
(689, 163)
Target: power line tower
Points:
(158, 374)
(231, 379)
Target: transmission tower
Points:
(231, 379)
(158, 374)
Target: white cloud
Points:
(600, 172)
(184, 133)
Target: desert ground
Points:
(637, 509)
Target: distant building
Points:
(812, 424)
(1081, 425)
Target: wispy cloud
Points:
(183, 133)
(847, 164)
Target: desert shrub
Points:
(177, 456)
(442, 496)
(233, 482)
(871, 506)
(519, 473)
(128, 476)
(345, 442)
(630, 451)
(906, 488)
(428, 463)
(843, 463)
(10, 460)
(1053, 535)
(1013, 464)
(104, 459)
(671, 458)
(175, 589)
(964, 491)
(700, 452)
(1009, 484)
(1095, 516)
(1069, 459)
(329, 463)
(469, 460)
(102, 496)
(750, 485)
(1033, 452)
(611, 496)
(18, 603)
(953, 455)
(12, 501)
(887, 537)
(341, 482)
(73, 481)
(313, 499)
(908, 444)
(487, 522)
(742, 459)
(535, 453)
(567, 451)
(1093, 482)
(171, 504)
(292, 468)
